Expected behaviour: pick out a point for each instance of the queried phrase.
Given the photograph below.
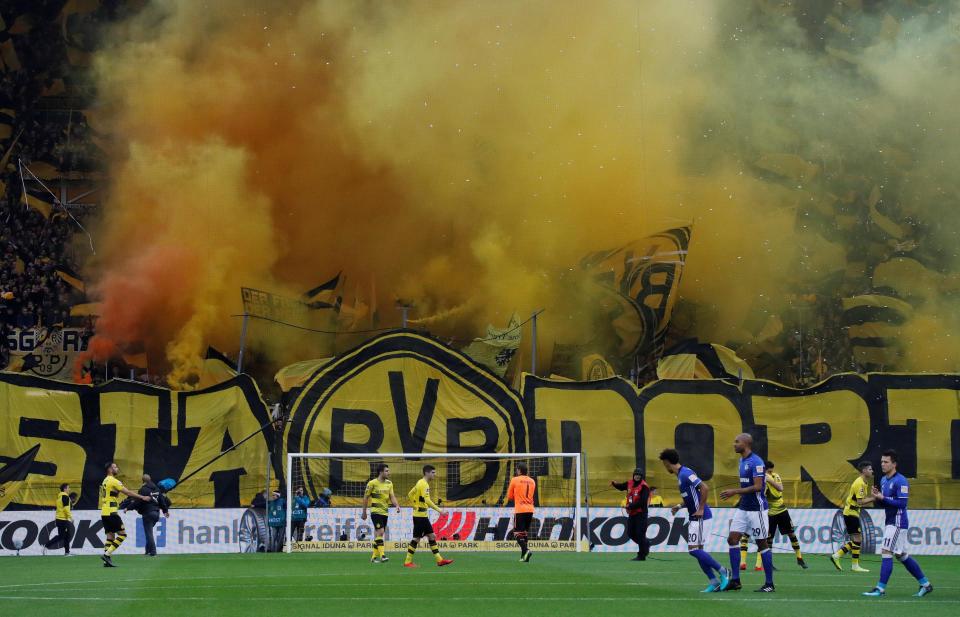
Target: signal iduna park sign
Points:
(932, 532)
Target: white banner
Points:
(932, 532)
(46, 352)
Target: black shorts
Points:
(379, 520)
(522, 521)
(781, 522)
(421, 526)
(852, 523)
(112, 523)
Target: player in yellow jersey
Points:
(858, 496)
(778, 518)
(110, 490)
(419, 496)
(64, 520)
(378, 496)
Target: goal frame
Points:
(576, 456)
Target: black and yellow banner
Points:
(405, 392)
(142, 428)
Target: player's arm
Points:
(412, 495)
(756, 487)
(510, 491)
(429, 502)
(393, 500)
(366, 503)
(703, 489)
(890, 501)
(772, 482)
(862, 499)
(130, 493)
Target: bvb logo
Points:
(48, 358)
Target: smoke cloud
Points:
(463, 156)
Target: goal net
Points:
(471, 489)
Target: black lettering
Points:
(571, 440)
(6, 539)
(414, 442)
(662, 527)
(499, 531)
(678, 531)
(226, 487)
(456, 427)
(87, 533)
(694, 442)
(566, 528)
(606, 531)
(340, 418)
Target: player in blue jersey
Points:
(693, 491)
(750, 517)
(892, 497)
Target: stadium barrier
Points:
(932, 532)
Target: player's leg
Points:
(738, 528)
(412, 547)
(521, 528)
(891, 545)
(379, 526)
(914, 569)
(744, 546)
(852, 523)
(787, 528)
(435, 548)
(761, 522)
(695, 541)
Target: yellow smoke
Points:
(465, 154)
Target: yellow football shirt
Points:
(775, 497)
(858, 490)
(110, 495)
(420, 498)
(63, 507)
(379, 494)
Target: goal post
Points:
(470, 488)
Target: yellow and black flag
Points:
(690, 359)
(71, 278)
(13, 473)
(324, 296)
(217, 368)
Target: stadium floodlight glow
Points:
(470, 488)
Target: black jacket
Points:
(158, 502)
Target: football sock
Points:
(914, 569)
(411, 549)
(855, 552)
(707, 563)
(735, 563)
(378, 546)
(743, 549)
(795, 543)
(767, 556)
(436, 551)
(886, 569)
(843, 550)
(117, 541)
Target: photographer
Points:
(298, 517)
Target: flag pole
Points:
(243, 341)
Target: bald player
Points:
(750, 517)
(521, 491)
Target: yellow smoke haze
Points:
(465, 155)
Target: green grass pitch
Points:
(476, 584)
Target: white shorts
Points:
(697, 533)
(752, 523)
(893, 538)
